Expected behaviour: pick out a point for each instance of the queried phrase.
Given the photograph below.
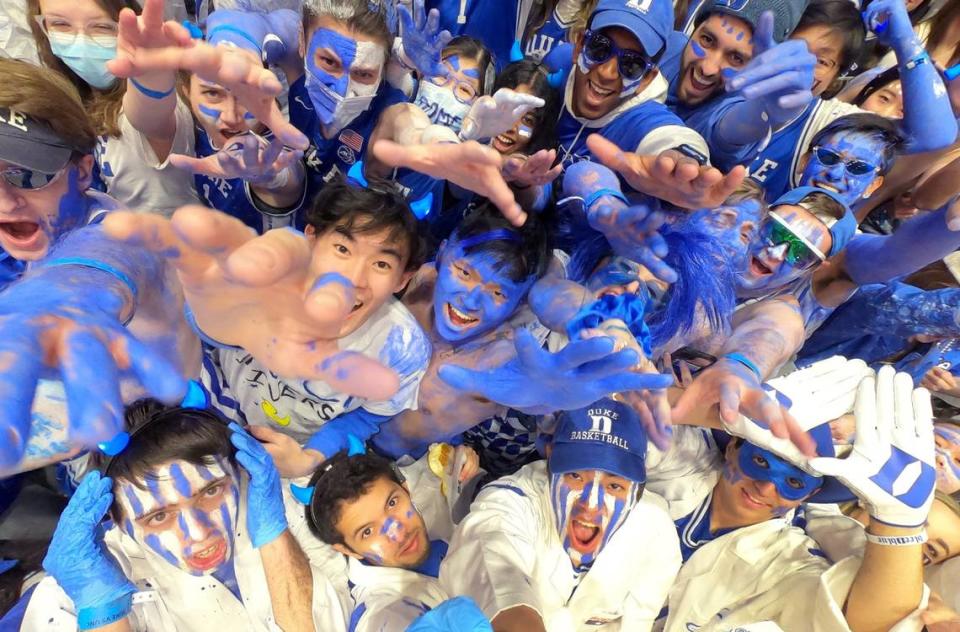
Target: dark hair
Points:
(472, 48)
(940, 27)
(362, 16)
(529, 256)
(883, 79)
(877, 127)
(343, 479)
(359, 210)
(534, 74)
(840, 16)
(196, 436)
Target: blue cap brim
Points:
(572, 457)
(653, 43)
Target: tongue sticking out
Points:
(584, 534)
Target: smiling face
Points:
(447, 100)
(219, 113)
(947, 438)
(589, 506)
(887, 101)
(383, 527)
(473, 294)
(720, 46)
(598, 88)
(32, 220)
(858, 153)
(768, 266)
(185, 514)
(826, 44)
(374, 262)
(517, 138)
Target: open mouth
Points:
(21, 233)
(503, 143)
(459, 319)
(210, 557)
(759, 268)
(583, 535)
(356, 306)
(825, 186)
(596, 92)
(700, 83)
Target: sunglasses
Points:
(800, 254)
(830, 158)
(598, 48)
(29, 180)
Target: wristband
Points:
(745, 361)
(919, 60)
(188, 315)
(99, 616)
(103, 267)
(692, 152)
(898, 540)
(153, 94)
(599, 193)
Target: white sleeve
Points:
(670, 136)
(492, 555)
(384, 616)
(183, 138)
(49, 609)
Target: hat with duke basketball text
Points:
(606, 436)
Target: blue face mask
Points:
(791, 482)
(86, 58)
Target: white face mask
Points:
(344, 109)
(441, 105)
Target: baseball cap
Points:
(32, 144)
(786, 13)
(842, 229)
(606, 436)
(651, 21)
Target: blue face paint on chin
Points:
(73, 210)
(850, 146)
(473, 294)
(791, 482)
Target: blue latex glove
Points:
(266, 519)
(459, 614)
(422, 39)
(537, 381)
(77, 558)
(283, 40)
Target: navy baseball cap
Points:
(606, 436)
(651, 21)
(786, 13)
(32, 144)
(842, 229)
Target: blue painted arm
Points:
(902, 310)
(927, 116)
(918, 242)
(332, 436)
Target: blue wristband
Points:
(188, 315)
(103, 267)
(599, 193)
(153, 94)
(99, 616)
(745, 361)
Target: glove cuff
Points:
(105, 614)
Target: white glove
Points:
(815, 395)
(494, 115)
(891, 468)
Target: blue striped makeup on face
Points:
(184, 513)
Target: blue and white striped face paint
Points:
(186, 514)
(589, 506)
(342, 75)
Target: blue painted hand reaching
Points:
(537, 381)
(422, 39)
(459, 614)
(77, 558)
(266, 519)
(889, 20)
(780, 74)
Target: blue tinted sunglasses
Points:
(598, 48)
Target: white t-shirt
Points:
(300, 407)
(133, 174)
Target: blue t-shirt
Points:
(493, 22)
(537, 44)
(227, 195)
(694, 529)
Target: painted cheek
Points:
(392, 529)
(697, 50)
(208, 114)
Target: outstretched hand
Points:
(535, 170)
(422, 39)
(249, 157)
(261, 294)
(670, 176)
(469, 165)
(634, 233)
(493, 115)
(538, 381)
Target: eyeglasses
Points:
(800, 254)
(830, 158)
(101, 32)
(464, 91)
(598, 48)
(29, 180)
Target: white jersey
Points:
(247, 391)
(171, 600)
(137, 178)
(507, 552)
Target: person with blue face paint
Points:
(198, 523)
(558, 543)
(733, 513)
(394, 525)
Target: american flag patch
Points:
(351, 139)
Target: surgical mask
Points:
(441, 105)
(334, 110)
(86, 58)
(340, 100)
(791, 482)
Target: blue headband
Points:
(304, 495)
(498, 234)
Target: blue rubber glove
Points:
(459, 614)
(266, 519)
(422, 39)
(77, 558)
(537, 381)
